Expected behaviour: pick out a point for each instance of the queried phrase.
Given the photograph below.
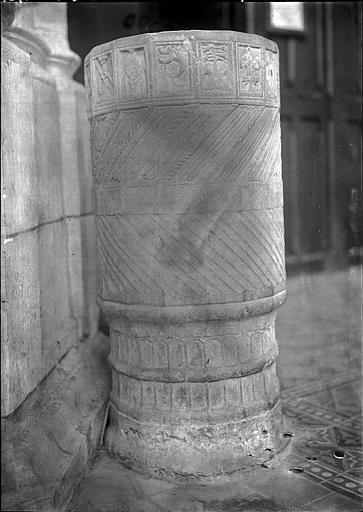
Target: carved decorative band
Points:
(197, 375)
(172, 67)
(198, 313)
(146, 200)
(215, 429)
(176, 357)
(173, 402)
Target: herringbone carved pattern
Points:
(226, 254)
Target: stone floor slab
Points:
(284, 487)
(112, 487)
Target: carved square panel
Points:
(216, 68)
(163, 396)
(177, 354)
(147, 354)
(272, 75)
(132, 74)
(214, 357)
(233, 393)
(125, 389)
(161, 359)
(172, 69)
(123, 348)
(103, 83)
(134, 354)
(216, 395)
(196, 355)
(198, 397)
(135, 394)
(181, 397)
(148, 395)
(249, 71)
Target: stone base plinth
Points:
(188, 452)
(195, 392)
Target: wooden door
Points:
(321, 127)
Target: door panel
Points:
(320, 77)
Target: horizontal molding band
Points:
(217, 422)
(170, 375)
(178, 66)
(177, 102)
(182, 35)
(189, 199)
(230, 311)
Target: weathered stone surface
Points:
(20, 310)
(19, 177)
(44, 161)
(84, 151)
(91, 312)
(55, 313)
(50, 23)
(49, 440)
(47, 146)
(21, 342)
(88, 226)
(185, 135)
(58, 327)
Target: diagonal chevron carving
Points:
(157, 260)
(155, 146)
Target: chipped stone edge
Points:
(76, 368)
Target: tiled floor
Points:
(319, 333)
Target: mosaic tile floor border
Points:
(328, 444)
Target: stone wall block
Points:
(50, 24)
(89, 269)
(19, 177)
(69, 149)
(84, 150)
(186, 159)
(20, 295)
(71, 194)
(59, 327)
(88, 227)
(41, 30)
(47, 146)
(21, 339)
(53, 251)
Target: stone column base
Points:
(196, 451)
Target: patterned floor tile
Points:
(356, 474)
(347, 488)
(284, 487)
(328, 430)
(333, 503)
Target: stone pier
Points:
(185, 135)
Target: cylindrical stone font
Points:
(185, 134)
